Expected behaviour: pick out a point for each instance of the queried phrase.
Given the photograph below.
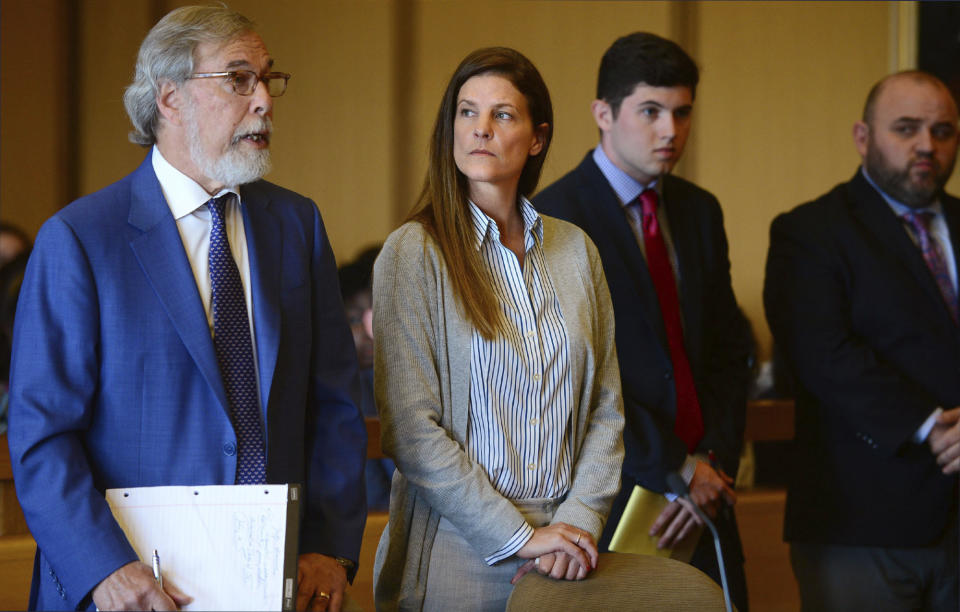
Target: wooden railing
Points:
(11, 517)
(759, 513)
(769, 419)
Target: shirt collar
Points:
(899, 208)
(625, 186)
(484, 225)
(183, 194)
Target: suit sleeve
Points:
(336, 435)
(806, 297)
(727, 347)
(408, 393)
(54, 381)
(596, 474)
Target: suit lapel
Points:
(686, 243)
(951, 212)
(608, 215)
(159, 250)
(877, 217)
(265, 247)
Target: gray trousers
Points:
(877, 579)
(459, 579)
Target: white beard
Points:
(236, 166)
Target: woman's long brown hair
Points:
(442, 207)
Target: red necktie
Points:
(689, 423)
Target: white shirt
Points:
(187, 201)
(521, 389)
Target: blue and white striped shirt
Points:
(520, 383)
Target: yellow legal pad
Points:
(632, 533)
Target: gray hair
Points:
(167, 55)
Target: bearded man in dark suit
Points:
(861, 295)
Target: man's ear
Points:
(602, 114)
(861, 137)
(170, 102)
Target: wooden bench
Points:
(770, 582)
(17, 547)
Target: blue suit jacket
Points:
(114, 381)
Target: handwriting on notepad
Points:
(259, 546)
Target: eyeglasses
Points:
(245, 81)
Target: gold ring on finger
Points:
(323, 595)
(578, 539)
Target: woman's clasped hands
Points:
(560, 551)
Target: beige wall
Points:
(34, 118)
(565, 40)
(110, 33)
(782, 83)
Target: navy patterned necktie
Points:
(234, 348)
(919, 222)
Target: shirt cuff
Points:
(686, 472)
(515, 543)
(920, 436)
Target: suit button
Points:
(230, 449)
(667, 375)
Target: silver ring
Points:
(537, 561)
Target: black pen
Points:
(715, 464)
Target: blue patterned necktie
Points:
(234, 348)
(919, 222)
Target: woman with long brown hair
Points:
(496, 373)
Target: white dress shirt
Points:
(520, 383)
(187, 201)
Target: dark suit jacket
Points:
(115, 383)
(717, 340)
(859, 317)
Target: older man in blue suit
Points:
(184, 326)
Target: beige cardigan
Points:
(422, 370)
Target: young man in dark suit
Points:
(682, 343)
(861, 295)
